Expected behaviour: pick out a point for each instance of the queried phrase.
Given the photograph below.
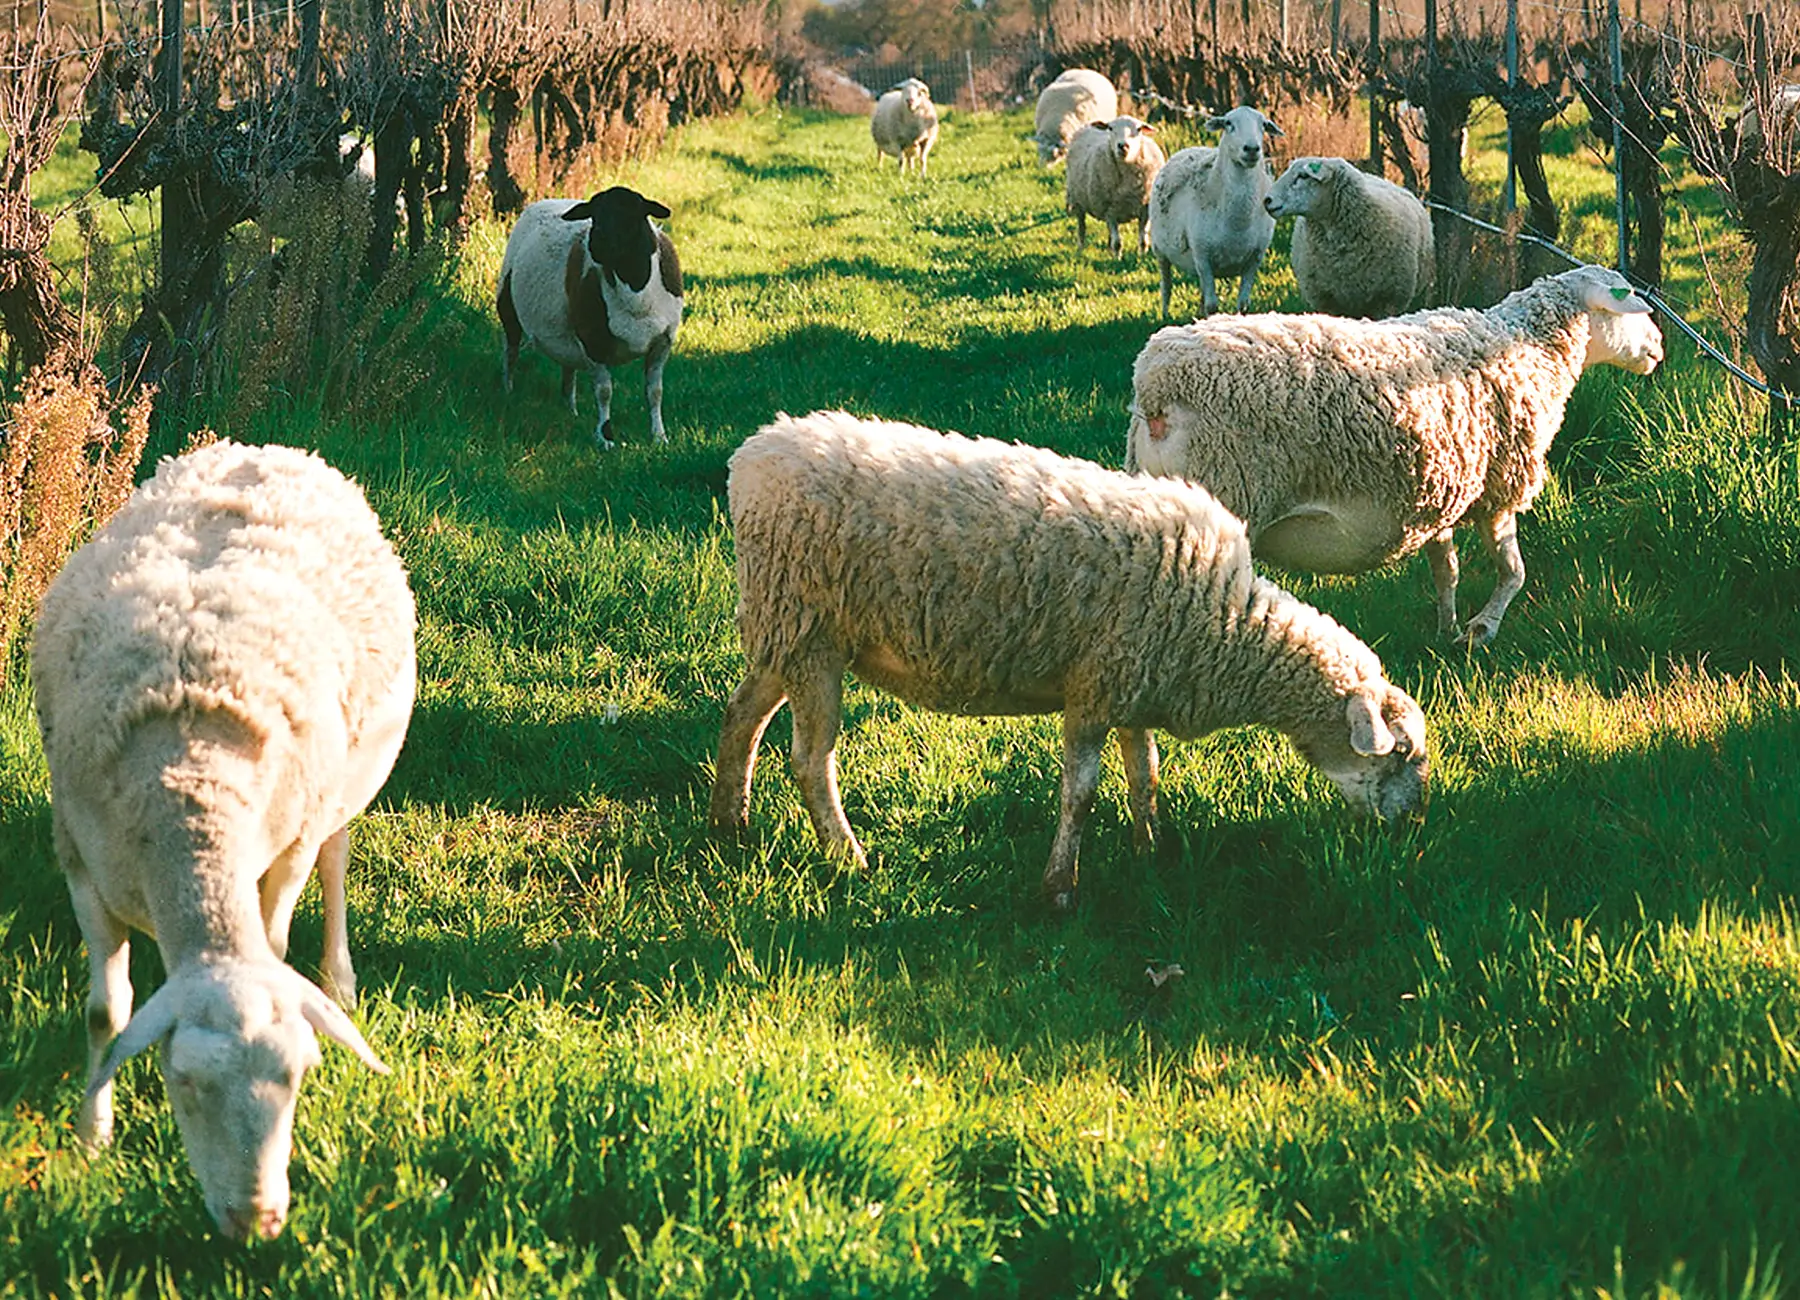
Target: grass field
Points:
(1546, 1045)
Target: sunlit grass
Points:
(1542, 1046)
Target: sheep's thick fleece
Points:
(980, 577)
(224, 676)
(1078, 96)
(1362, 245)
(1112, 166)
(1345, 444)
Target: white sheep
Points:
(1112, 166)
(593, 284)
(1346, 444)
(1206, 210)
(905, 124)
(1362, 245)
(1076, 98)
(224, 676)
(1783, 107)
(973, 576)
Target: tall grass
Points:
(1542, 1046)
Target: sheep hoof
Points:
(1477, 635)
(604, 439)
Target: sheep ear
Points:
(580, 212)
(149, 1026)
(1614, 299)
(1217, 123)
(1272, 129)
(654, 209)
(1369, 734)
(329, 1019)
(1144, 128)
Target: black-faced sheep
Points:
(1346, 444)
(980, 577)
(593, 284)
(224, 676)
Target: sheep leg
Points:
(746, 718)
(1138, 748)
(654, 360)
(817, 699)
(1113, 243)
(1441, 551)
(1168, 283)
(603, 399)
(568, 390)
(109, 985)
(1209, 290)
(1245, 284)
(337, 975)
(1083, 743)
(1080, 231)
(278, 891)
(1502, 536)
(1143, 223)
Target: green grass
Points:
(1546, 1045)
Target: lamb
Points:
(1111, 168)
(905, 124)
(1076, 98)
(224, 676)
(1362, 245)
(593, 284)
(980, 577)
(1344, 445)
(1206, 210)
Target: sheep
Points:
(972, 576)
(224, 676)
(1344, 444)
(1111, 168)
(1076, 98)
(905, 124)
(594, 284)
(1206, 211)
(1782, 103)
(1362, 245)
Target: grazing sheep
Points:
(593, 284)
(905, 124)
(1346, 444)
(1111, 168)
(1206, 211)
(1362, 245)
(224, 675)
(979, 577)
(1783, 106)
(1076, 98)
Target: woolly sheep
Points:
(1347, 444)
(593, 284)
(1111, 168)
(905, 124)
(1783, 105)
(973, 576)
(1206, 210)
(224, 676)
(1362, 245)
(1076, 98)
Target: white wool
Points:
(1206, 210)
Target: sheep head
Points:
(1305, 187)
(916, 93)
(1128, 137)
(1374, 752)
(620, 238)
(237, 1038)
(1243, 130)
(1621, 329)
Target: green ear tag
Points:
(1620, 295)
(1314, 168)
